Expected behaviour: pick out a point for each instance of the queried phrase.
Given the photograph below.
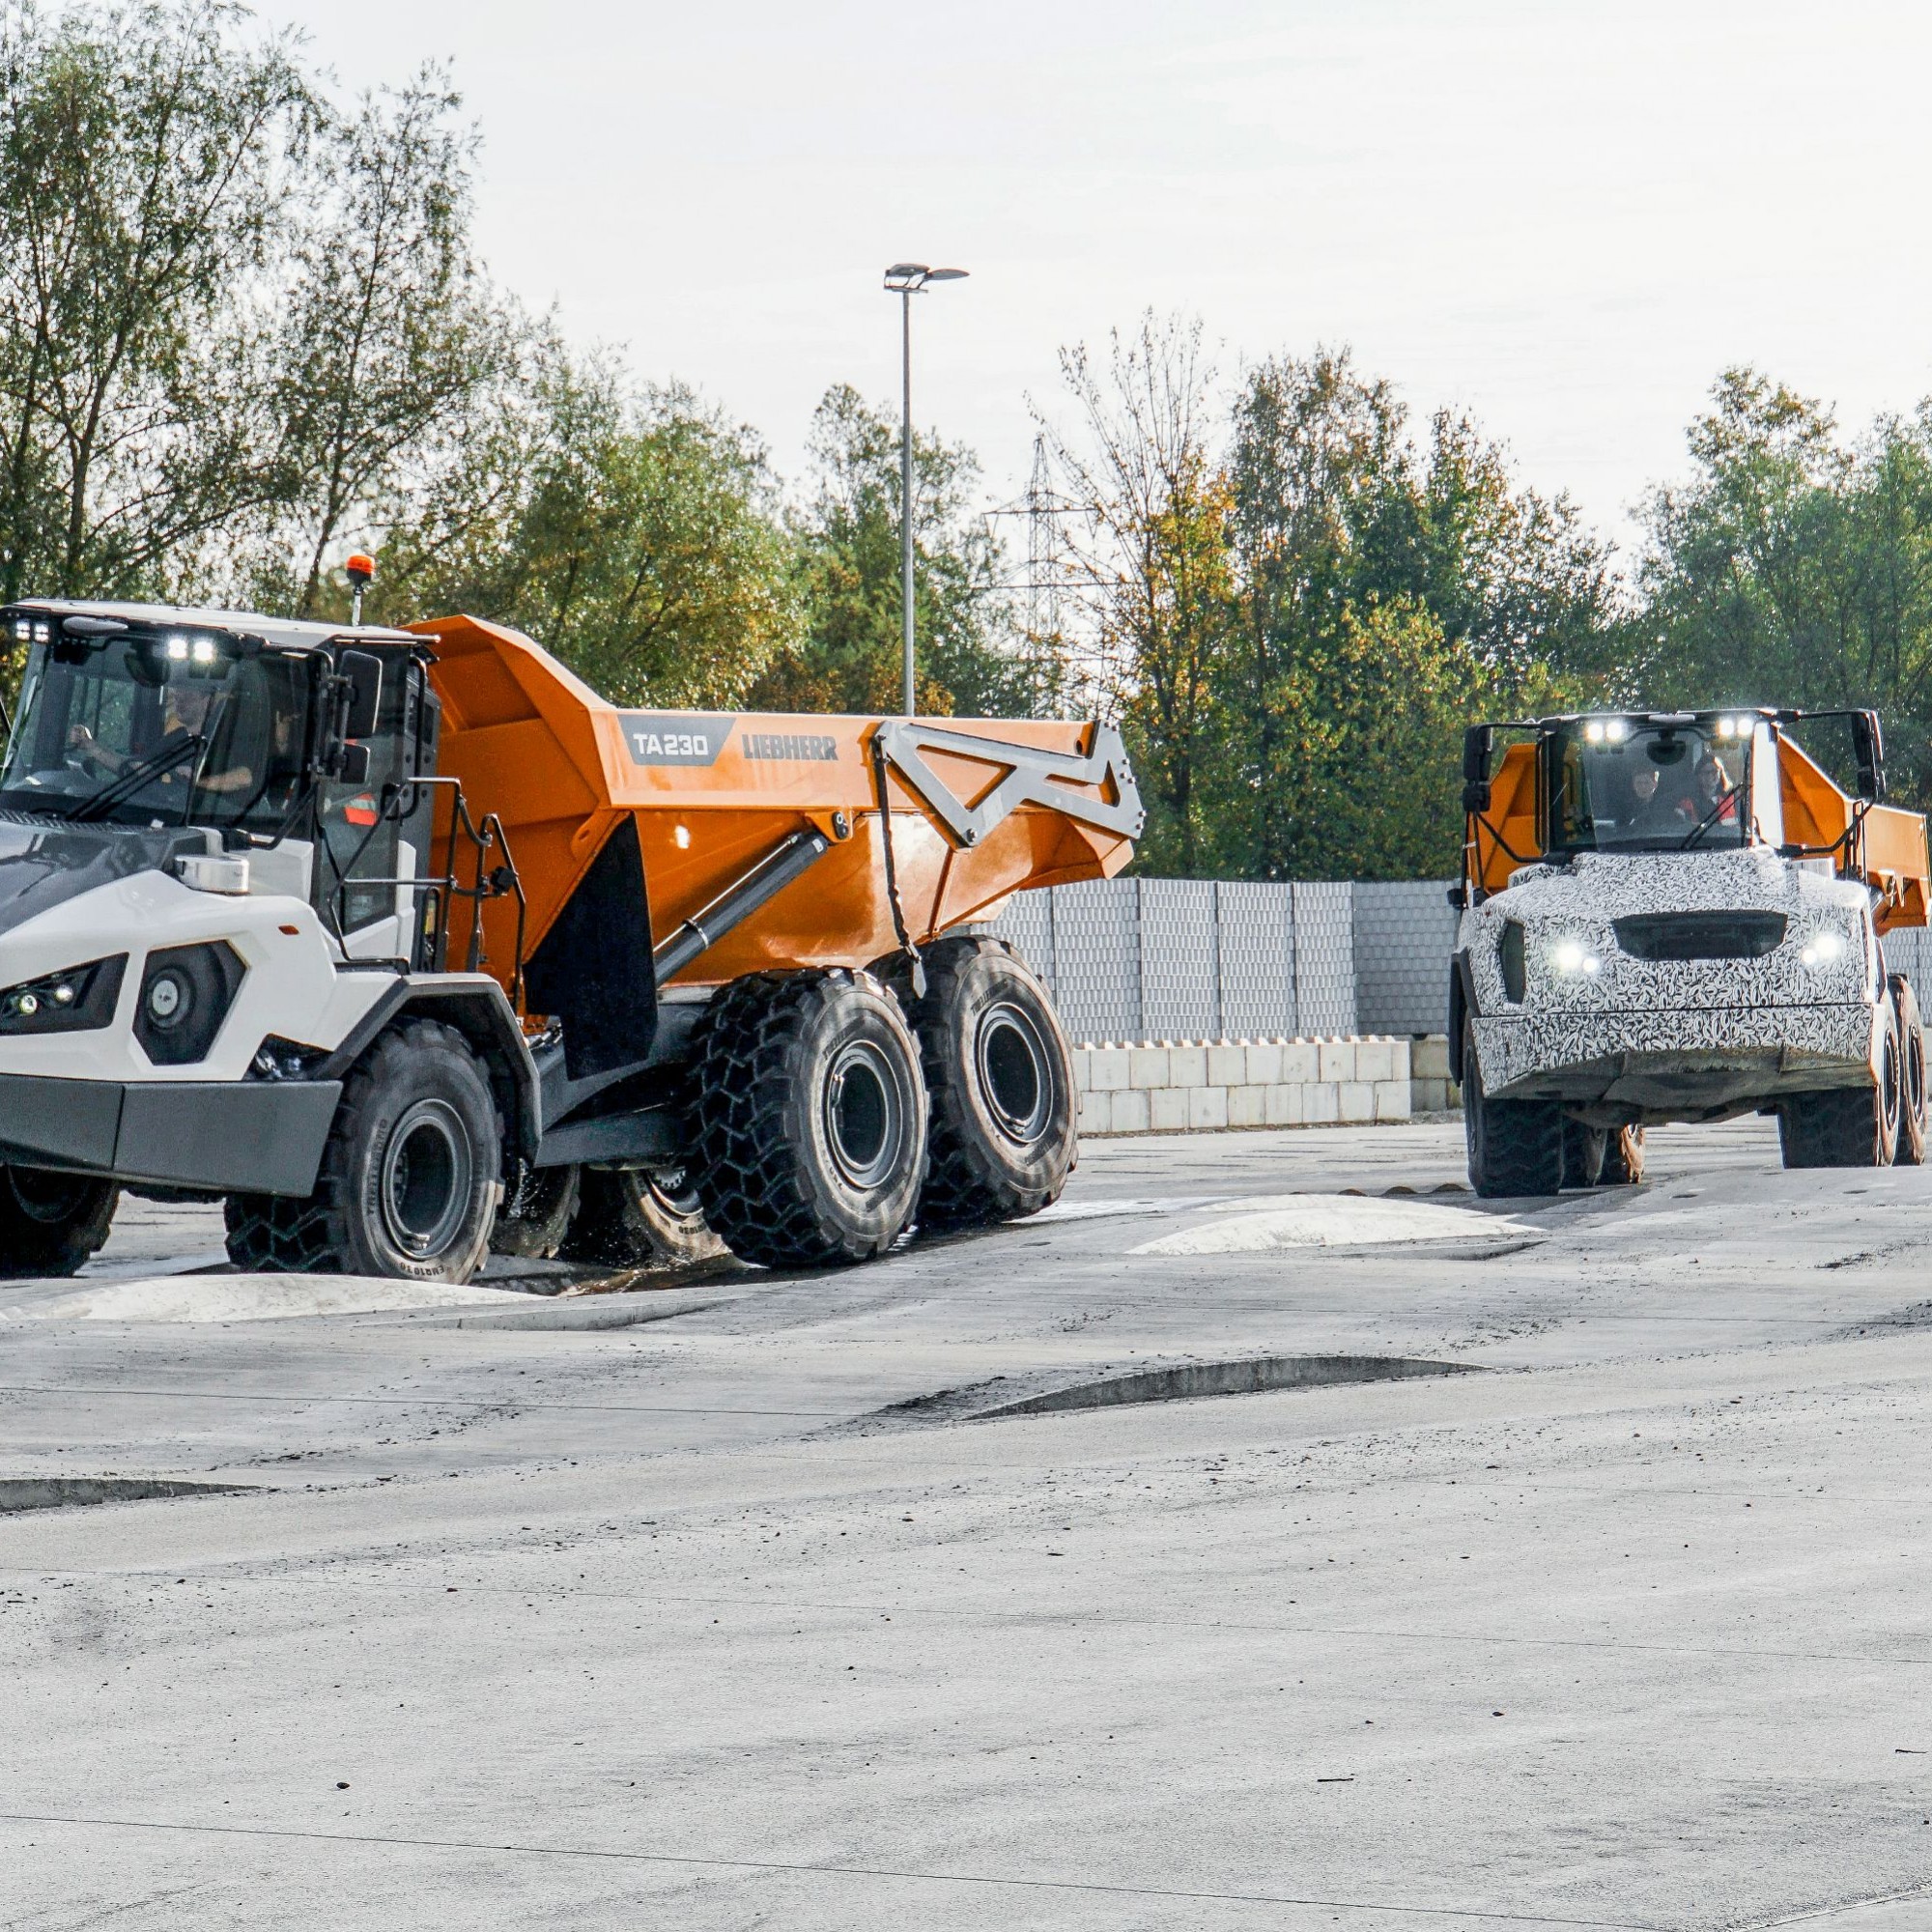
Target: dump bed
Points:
(979, 807)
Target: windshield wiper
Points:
(1704, 824)
(164, 759)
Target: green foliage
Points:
(1794, 568)
(1154, 561)
(150, 159)
(634, 531)
(849, 655)
(1295, 630)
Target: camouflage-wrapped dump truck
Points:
(1679, 916)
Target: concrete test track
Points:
(1543, 1565)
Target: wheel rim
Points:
(426, 1180)
(1015, 1074)
(864, 1115)
(50, 1198)
(1915, 1075)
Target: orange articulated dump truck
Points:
(1680, 915)
(405, 943)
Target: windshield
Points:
(1626, 784)
(122, 735)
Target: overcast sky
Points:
(1565, 216)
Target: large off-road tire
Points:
(1583, 1151)
(410, 1174)
(533, 1220)
(1622, 1159)
(51, 1223)
(811, 1115)
(1849, 1126)
(1003, 1120)
(640, 1217)
(1915, 1109)
(1516, 1147)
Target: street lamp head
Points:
(909, 278)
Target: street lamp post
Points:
(906, 279)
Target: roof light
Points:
(178, 650)
(1616, 731)
(42, 633)
(1593, 731)
(203, 650)
(22, 630)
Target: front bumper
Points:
(230, 1136)
(1683, 1064)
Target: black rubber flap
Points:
(593, 969)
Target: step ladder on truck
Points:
(1678, 917)
(405, 944)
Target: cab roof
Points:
(287, 633)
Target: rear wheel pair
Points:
(830, 1111)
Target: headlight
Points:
(1824, 949)
(1572, 957)
(78, 999)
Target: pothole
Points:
(1183, 1381)
(50, 1493)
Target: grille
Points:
(1700, 935)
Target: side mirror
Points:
(1475, 797)
(363, 673)
(1478, 743)
(352, 764)
(1868, 752)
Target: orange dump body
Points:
(714, 793)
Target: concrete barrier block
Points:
(1375, 1060)
(1227, 1064)
(1082, 1059)
(1167, 1108)
(1392, 1099)
(1247, 1106)
(1206, 1106)
(1429, 1057)
(1264, 1063)
(1128, 1111)
(1148, 1067)
(1094, 1115)
(1300, 1061)
(1322, 1100)
(1286, 1105)
(1335, 1060)
(1106, 1068)
(1356, 1099)
(1187, 1066)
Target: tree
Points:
(387, 331)
(1153, 555)
(147, 163)
(848, 657)
(1347, 538)
(1793, 568)
(632, 531)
